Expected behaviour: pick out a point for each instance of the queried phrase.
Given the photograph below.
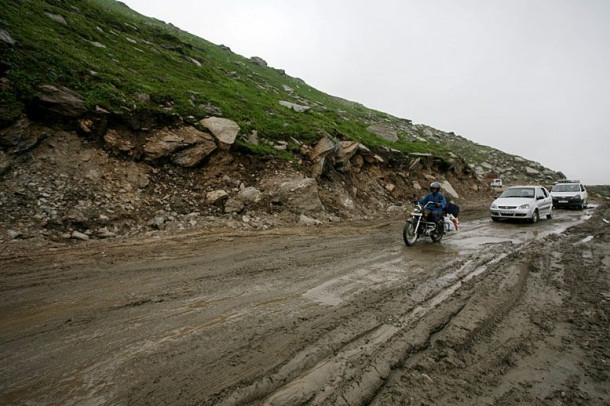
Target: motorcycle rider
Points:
(439, 203)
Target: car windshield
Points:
(527, 192)
(566, 188)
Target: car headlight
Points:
(577, 197)
(493, 206)
(524, 206)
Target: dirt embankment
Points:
(496, 314)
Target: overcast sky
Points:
(529, 77)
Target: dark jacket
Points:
(435, 198)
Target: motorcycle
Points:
(418, 226)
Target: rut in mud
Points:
(498, 313)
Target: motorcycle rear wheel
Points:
(409, 233)
(439, 231)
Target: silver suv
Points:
(569, 193)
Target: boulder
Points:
(296, 107)
(5, 163)
(57, 18)
(234, 205)
(21, 136)
(6, 37)
(322, 149)
(383, 131)
(297, 194)
(308, 221)
(445, 185)
(118, 142)
(318, 155)
(191, 157)
(258, 61)
(166, 141)
(216, 196)
(60, 100)
(249, 195)
(223, 129)
(345, 152)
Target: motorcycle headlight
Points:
(525, 206)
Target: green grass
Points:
(161, 64)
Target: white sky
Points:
(529, 77)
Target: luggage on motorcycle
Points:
(453, 209)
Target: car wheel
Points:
(535, 217)
(495, 218)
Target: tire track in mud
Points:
(352, 371)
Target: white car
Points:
(523, 202)
(569, 193)
(496, 183)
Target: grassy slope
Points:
(147, 56)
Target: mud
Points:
(499, 313)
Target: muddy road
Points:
(499, 313)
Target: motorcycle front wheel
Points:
(409, 233)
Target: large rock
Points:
(216, 196)
(166, 141)
(347, 149)
(318, 155)
(258, 61)
(6, 37)
(383, 131)
(297, 194)
(234, 205)
(60, 100)
(223, 129)
(445, 185)
(21, 136)
(57, 18)
(119, 142)
(191, 157)
(322, 148)
(249, 195)
(296, 107)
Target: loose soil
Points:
(498, 313)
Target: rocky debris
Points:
(296, 107)
(57, 18)
(383, 131)
(6, 37)
(60, 100)
(98, 44)
(258, 61)
(61, 183)
(223, 129)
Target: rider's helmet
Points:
(435, 187)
